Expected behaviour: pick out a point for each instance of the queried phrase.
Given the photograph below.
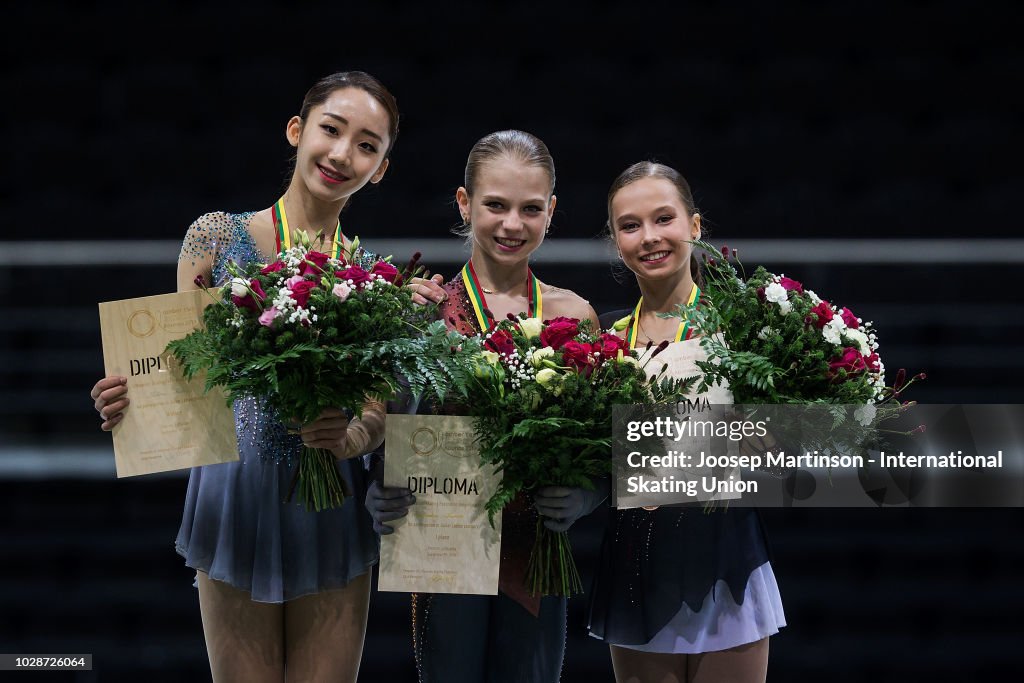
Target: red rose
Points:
(824, 313)
(577, 356)
(851, 361)
(791, 285)
(272, 268)
(385, 270)
(357, 275)
(314, 263)
(500, 342)
(249, 300)
(609, 346)
(301, 291)
(872, 361)
(558, 331)
(849, 318)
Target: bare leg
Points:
(244, 639)
(633, 666)
(744, 664)
(324, 633)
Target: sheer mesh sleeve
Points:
(205, 240)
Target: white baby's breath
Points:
(865, 415)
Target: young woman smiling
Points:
(283, 591)
(506, 204)
(680, 595)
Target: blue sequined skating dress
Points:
(685, 580)
(235, 526)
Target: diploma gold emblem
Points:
(141, 323)
(423, 441)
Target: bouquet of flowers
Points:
(310, 332)
(542, 398)
(776, 342)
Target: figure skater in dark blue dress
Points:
(284, 591)
(681, 595)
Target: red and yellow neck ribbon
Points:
(684, 331)
(284, 234)
(535, 303)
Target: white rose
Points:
(832, 332)
(815, 299)
(775, 293)
(239, 286)
(860, 339)
(545, 377)
(785, 307)
(538, 356)
(531, 327)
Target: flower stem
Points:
(316, 482)
(552, 569)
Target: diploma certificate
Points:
(171, 424)
(445, 544)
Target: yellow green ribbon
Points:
(284, 234)
(535, 302)
(684, 331)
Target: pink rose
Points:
(301, 292)
(850, 319)
(314, 263)
(558, 331)
(823, 312)
(252, 299)
(267, 319)
(500, 342)
(272, 268)
(789, 284)
(341, 290)
(385, 270)
(357, 275)
(850, 361)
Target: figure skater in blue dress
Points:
(681, 595)
(284, 591)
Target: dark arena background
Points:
(870, 149)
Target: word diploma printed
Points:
(446, 543)
(171, 423)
